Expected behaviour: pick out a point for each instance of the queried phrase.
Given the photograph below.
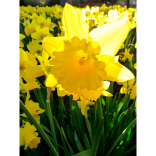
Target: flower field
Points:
(78, 80)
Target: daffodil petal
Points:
(23, 56)
(116, 58)
(135, 65)
(115, 70)
(105, 93)
(50, 44)
(74, 24)
(123, 16)
(123, 90)
(45, 57)
(111, 36)
(112, 15)
(61, 92)
(92, 94)
(106, 85)
(50, 81)
(21, 44)
(33, 72)
(22, 37)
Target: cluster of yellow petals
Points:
(129, 88)
(80, 62)
(94, 16)
(33, 108)
(28, 136)
(26, 60)
(127, 55)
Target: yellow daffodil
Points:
(122, 46)
(33, 108)
(135, 65)
(84, 107)
(129, 88)
(133, 91)
(82, 60)
(28, 136)
(40, 33)
(127, 55)
(28, 86)
(35, 48)
(34, 71)
(86, 11)
(21, 38)
(135, 45)
(41, 21)
(58, 11)
(114, 15)
(30, 27)
(25, 60)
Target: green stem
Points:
(52, 124)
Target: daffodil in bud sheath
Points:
(82, 60)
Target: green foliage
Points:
(109, 129)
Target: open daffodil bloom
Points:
(82, 60)
(77, 63)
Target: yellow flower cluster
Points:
(94, 16)
(28, 136)
(81, 60)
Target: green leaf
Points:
(52, 103)
(41, 99)
(78, 144)
(89, 128)
(24, 118)
(61, 104)
(133, 105)
(97, 137)
(52, 125)
(45, 128)
(63, 136)
(86, 141)
(117, 112)
(39, 129)
(99, 107)
(121, 116)
(79, 118)
(103, 102)
(130, 150)
(42, 105)
(112, 106)
(128, 120)
(125, 106)
(71, 150)
(121, 136)
(84, 153)
(70, 134)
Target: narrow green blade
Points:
(84, 153)
(121, 136)
(39, 129)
